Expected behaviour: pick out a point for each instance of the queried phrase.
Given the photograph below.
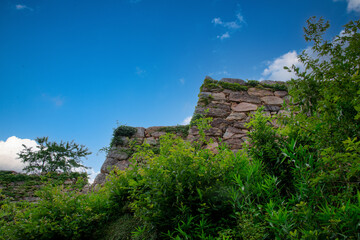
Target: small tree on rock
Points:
(53, 157)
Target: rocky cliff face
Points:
(228, 101)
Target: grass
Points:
(183, 130)
(219, 85)
(20, 185)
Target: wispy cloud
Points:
(231, 26)
(140, 72)
(186, 121)
(58, 101)
(224, 36)
(353, 5)
(23, 7)
(219, 74)
(182, 81)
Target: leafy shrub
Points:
(60, 214)
(121, 132)
(252, 83)
(213, 84)
(206, 100)
(276, 86)
(195, 117)
(183, 130)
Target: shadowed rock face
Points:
(230, 110)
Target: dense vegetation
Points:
(297, 181)
(19, 186)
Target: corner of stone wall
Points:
(230, 102)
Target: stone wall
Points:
(119, 155)
(229, 102)
(231, 109)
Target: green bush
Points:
(276, 86)
(119, 133)
(183, 130)
(213, 84)
(252, 83)
(179, 183)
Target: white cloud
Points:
(275, 70)
(92, 175)
(182, 81)
(8, 153)
(353, 5)
(217, 21)
(186, 121)
(23, 7)
(224, 36)
(231, 26)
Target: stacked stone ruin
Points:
(230, 109)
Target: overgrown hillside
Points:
(20, 186)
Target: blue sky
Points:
(72, 69)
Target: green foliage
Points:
(252, 83)
(60, 214)
(287, 183)
(124, 227)
(16, 186)
(183, 130)
(213, 84)
(210, 85)
(206, 100)
(266, 144)
(340, 171)
(232, 86)
(327, 90)
(179, 183)
(52, 156)
(120, 133)
(195, 117)
(276, 86)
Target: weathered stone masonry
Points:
(229, 102)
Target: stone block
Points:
(236, 116)
(213, 147)
(244, 97)
(157, 134)
(140, 133)
(280, 93)
(272, 108)
(213, 132)
(150, 140)
(118, 154)
(272, 100)
(244, 107)
(259, 92)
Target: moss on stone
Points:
(213, 84)
(183, 130)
